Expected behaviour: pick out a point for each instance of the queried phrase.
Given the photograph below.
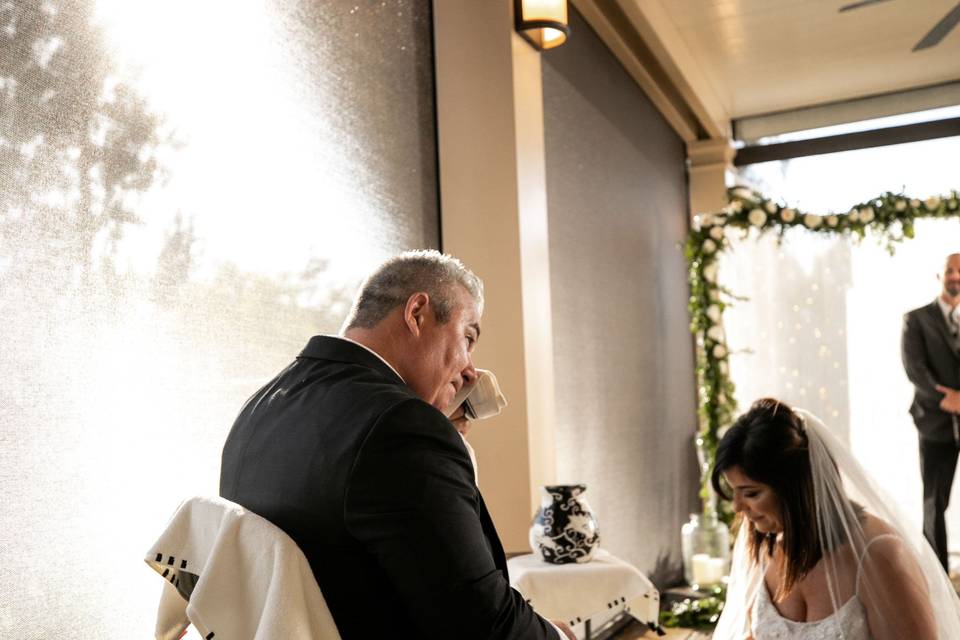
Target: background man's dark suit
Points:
(930, 357)
(376, 487)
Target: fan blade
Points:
(940, 30)
(857, 5)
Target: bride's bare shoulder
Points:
(882, 541)
(874, 526)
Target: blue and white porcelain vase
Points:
(564, 529)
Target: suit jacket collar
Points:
(945, 308)
(340, 350)
(936, 317)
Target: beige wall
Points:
(587, 331)
(493, 204)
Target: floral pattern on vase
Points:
(564, 529)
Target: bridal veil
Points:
(897, 575)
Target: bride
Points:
(820, 553)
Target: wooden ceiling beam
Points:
(613, 27)
(658, 31)
(641, 35)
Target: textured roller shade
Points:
(188, 191)
(622, 349)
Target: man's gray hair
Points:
(394, 281)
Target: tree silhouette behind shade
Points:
(117, 373)
(76, 147)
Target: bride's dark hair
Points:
(770, 445)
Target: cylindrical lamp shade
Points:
(542, 23)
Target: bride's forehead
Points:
(737, 478)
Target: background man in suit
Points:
(348, 452)
(931, 356)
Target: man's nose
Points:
(469, 374)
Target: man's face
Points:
(951, 276)
(444, 362)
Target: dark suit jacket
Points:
(377, 489)
(930, 358)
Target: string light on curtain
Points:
(542, 23)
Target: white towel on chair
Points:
(254, 582)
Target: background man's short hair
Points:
(394, 281)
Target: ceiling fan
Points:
(933, 37)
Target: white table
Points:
(586, 596)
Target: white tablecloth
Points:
(597, 590)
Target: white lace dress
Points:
(849, 622)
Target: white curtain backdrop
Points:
(824, 316)
(822, 327)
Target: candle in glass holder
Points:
(706, 549)
(706, 570)
(717, 569)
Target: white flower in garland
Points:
(742, 192)
(716, 233)
(771, 207)
(719, 351)
(715, 333)
(932, 203)
(714, 295)
(709, 246)
(757, 217)
(710, 272)
(900, 205)
(832, 220)
(915, 203)
(713, 312)
(705, 220)
(724, 368)
(812, 220)
(854, 215)
(788, 215)
(719, 220)
(867, 214)
(736, 206)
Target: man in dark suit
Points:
(931, 356)
(348, 452)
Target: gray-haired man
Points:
(348, 452)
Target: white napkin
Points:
(482, 399)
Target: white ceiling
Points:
(772, 55)
(730, 59)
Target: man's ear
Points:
(415, 311)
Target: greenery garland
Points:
(890, 217)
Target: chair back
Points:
(234, 575)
